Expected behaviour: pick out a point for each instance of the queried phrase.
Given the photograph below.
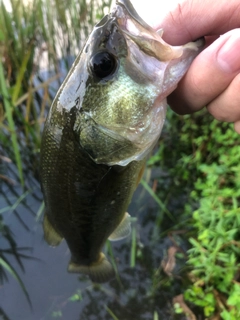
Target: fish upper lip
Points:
(145, 37)
(127, 5)
(132, 13)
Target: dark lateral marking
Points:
(79, 85)
(77, 102)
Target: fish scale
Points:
(103, 123)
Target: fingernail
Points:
(228, 55)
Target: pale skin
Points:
(213, 80)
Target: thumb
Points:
(192, 19)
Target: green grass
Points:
(54, 28)
(7, 267)
(111, 313)
(10, 120)
(26, 33)
(10, 269)
(203, 157)
(200, 155)
(133, 248)
(162, 206)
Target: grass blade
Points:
(133, 248)
(14, 274)
(110, 252)
(156, 198)
(111, 313)
(9, 116)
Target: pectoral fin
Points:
(123, 230)
(50, 234)
(140, 175)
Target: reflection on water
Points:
(139, 292)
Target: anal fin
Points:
(50, 234)
(123, 230)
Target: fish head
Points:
(119, 84)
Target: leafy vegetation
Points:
(215, 252)
(198, 195)
(205, 161)
(33, 35)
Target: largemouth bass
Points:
(103, 123)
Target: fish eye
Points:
(103, 64)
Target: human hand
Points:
(213, 79)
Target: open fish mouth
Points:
(150, 69)
(109, 112)
(155, 66)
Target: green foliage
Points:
(200, 155)
(202, 158)
(177, 308)
(215, 253)
(9, 268)
(28, 31)
(111, 313)
(8, 112)
(5, 266)
(214, 256)
(34, 35)
(202, 298)
(77, 296)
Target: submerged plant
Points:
(198, 155)
(33, 35)
(6, 267)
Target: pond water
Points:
(141, 289)
(138, 292)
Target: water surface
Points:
(136, 293)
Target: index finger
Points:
(192, 19)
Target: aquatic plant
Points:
(197, 192)
(6, 267)
(35, 35)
